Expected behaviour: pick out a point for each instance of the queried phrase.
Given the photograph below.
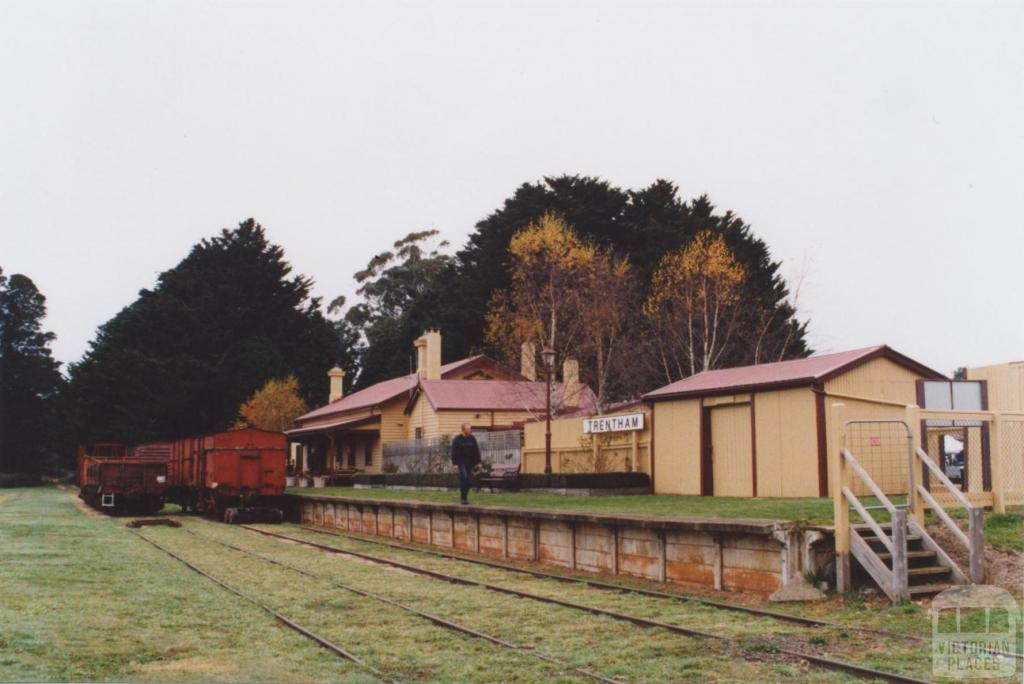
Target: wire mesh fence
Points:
(1011, 448)
(882, 449)
(433, 454)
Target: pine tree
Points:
(183, 357)
(30, 380)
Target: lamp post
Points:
(547, 355)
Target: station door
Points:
(731, 451)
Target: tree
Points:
(693, 304)
(549, 267)
(566, 294)
(639, 226)
(182, 357)
(274, 407)
(399, 290)
(30, 380)
(607, 324)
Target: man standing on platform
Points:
(466, 458)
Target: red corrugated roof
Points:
(364, 398)
(496, 395)
(333, 425)
(384, 391)
(783, 373)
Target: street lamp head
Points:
(547, 355)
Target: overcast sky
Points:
(877, 147)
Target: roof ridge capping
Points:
(792, 372)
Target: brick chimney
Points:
(337, 377)
(528, 361)
(428, 354)
(571, 383)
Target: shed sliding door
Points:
(731, 451)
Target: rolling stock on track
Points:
(234, 475)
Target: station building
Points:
(763, 430)
(350, 431)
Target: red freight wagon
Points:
(228, 469)
(112, 479)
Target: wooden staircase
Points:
(900, 555)
(929, 570)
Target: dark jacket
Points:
(465, 450)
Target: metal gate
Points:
(884, 449)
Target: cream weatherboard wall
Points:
(731, 449)
(677, 446)
(1005, 385)
(787, 444)
(573, 450)
(878, 381)
(783, 444)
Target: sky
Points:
(877, 147)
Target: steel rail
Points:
(437, 620)
(811, 622)
(820, 661)
(309, 634)
(683, 598)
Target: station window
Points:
(368, 452)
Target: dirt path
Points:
(1003, 568)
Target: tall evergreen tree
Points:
(639, 225)
(30, 380)
(182, 357)
(398, 289)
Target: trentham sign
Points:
(631, 421)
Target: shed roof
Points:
(794, 373)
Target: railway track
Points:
(816, 660)
(435, 619)
(608, 586)
(597, 584)
(288, 622)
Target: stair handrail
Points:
(974, 540)
(878, 494)
(896, 579)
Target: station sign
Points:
(624, 423)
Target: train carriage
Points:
(119, 480)
(217, 473)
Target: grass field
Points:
(87, 600)
(1002, 531)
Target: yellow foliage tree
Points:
(548, 262)
(275, 406)
(566, 294)
(693, 303)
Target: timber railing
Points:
(894, 580)
(974, 540)
(926, 485)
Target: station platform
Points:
(758, 555)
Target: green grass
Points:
(84, 600)
(810, 510)
(1002, 531)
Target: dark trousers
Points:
(465, 477)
